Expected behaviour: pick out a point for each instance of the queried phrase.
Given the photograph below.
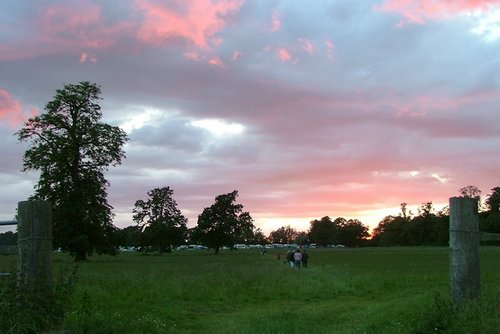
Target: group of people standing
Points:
(297, 259)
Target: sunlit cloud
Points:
(219, 128)
(372, 117)
(439, 178)
(408, 174)
(487, 24)
(147, 116)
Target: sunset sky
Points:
(308, 108)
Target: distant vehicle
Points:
(255, 246)
(197, 247)
(127, 249)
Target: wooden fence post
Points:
(34, 262)
(464, 250)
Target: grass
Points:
(365, 290)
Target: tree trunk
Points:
(216, 250)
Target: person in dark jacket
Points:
(305, 258)
(290, 259)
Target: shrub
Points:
(472, 317)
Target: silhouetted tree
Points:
(302, 238)
(8, 238)
(283, 235)
(389, 231)
(223, 222)
(418, 229)
(257, 237)
(470, 191)
(352, 233)
(323, 232)
(489, 221)
(161, 221)
(427, 228)
(72, 149)
(493, 200)
(130, 236)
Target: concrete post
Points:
(34, 262)
(464, 250)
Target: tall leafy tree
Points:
(352, 233)
(130, 236)
(257, 238)
(470, 191)
(493, 200)
(323, 232)
(72, 149)
(426, 228)
(162, 223)
(489, 221)
(223, 223)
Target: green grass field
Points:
(365, 290)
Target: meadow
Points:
(363, 290)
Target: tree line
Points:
(160, 226)
(72, 149)
(432, 228)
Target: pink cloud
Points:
(283, 54)
(65, 17)
(195, 21)
(211, 60)
(79, 24)
(420, 106)
(420, 11)
(65, 28)
(307, 46)
(194, 56)
(84, 57)
(74, 28)
(10, 110)
(215, 61)
(79, 27)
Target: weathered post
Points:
(34, 261)
(464, 250)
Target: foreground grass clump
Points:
(24, 309)
(366, 290)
